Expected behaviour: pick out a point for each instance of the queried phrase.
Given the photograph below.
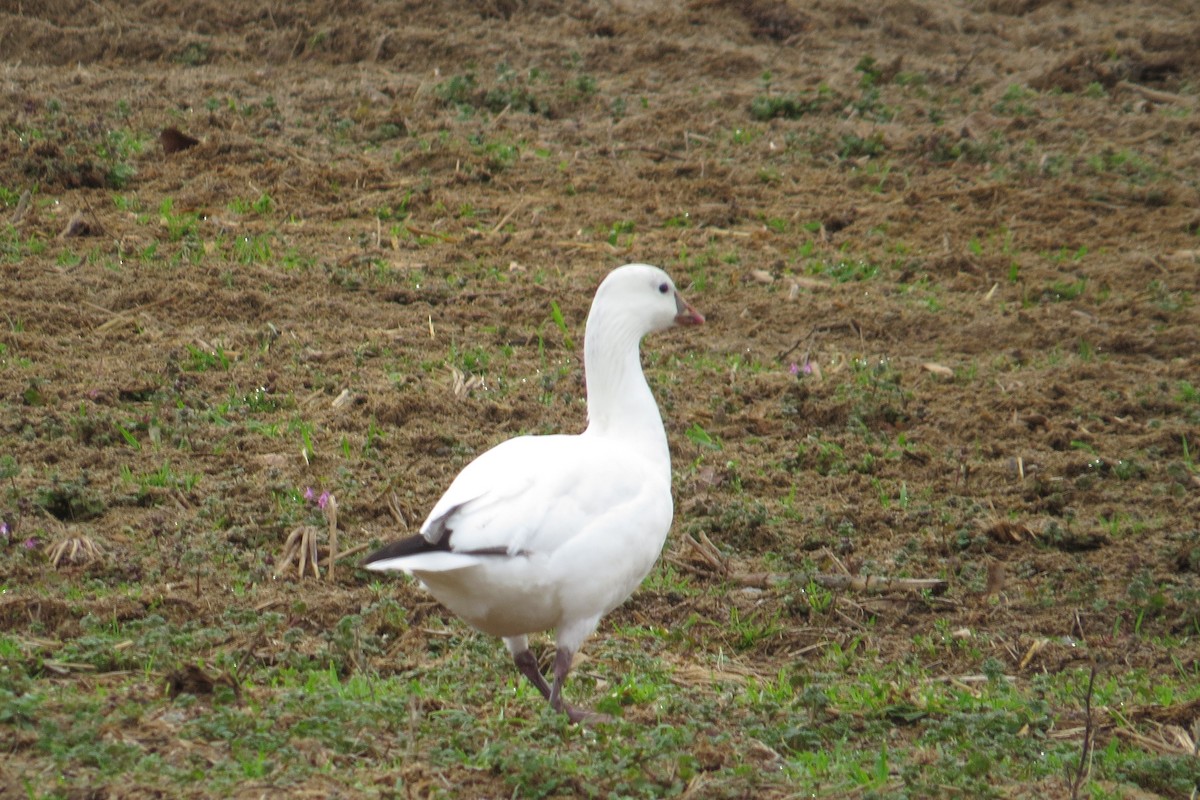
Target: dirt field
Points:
(948, 253)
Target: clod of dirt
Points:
(195, 681)
(1188, 559)
(69, 501)
(1035, 421)
(174, 141)
(1099, 65)
(76, 226)
(38, 614)
(1006, 532)
(840, 220)
(775, 21)
(1072, 541)
(1013, 8)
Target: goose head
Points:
(644, 297)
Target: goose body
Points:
(553, 532)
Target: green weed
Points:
(768, 106)
(201, 360)
(697, 435)
(560, 322)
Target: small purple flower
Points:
(323, 500)
(4, 529)
(308, 493)
(801, 369)
(32, 543)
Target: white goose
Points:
(553, 532)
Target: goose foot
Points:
(583, 716)
(578, 716)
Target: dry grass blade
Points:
(696, 675)
(301, 547)
(725, 671)
(1160, 731)
(504, 220)
(415, 231)
(697, 787)
(879, 583)
(1007, 532)
(462, 384)
(66, 667)
(74, 550)
(698, 556)
(1157, 95)
(832, 557)
(331, 517)
(709, 552)
(344, 554)
(940, 370)
(870, 584)
(289, 552)
(1161, 744)
(22, 207)
(308, 553)
(1031, 653)
(393, 504)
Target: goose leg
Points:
(562, 665)
(527, 663)
(518, 647)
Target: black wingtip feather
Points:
(409, 546)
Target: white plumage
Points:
(553, 532)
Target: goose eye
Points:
(662, 288)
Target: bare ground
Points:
(977, 222)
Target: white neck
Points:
(620, 405)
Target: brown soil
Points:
(1015, 180)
